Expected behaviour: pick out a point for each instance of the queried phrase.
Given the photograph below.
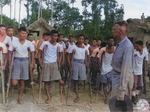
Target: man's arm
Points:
(68, 59)
(126, 71)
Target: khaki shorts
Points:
(50, 72)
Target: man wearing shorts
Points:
(78, 65)
(50, 66)
(20, 69)
(140, 56)
(106, 77)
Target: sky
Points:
(132, 8)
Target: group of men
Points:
(119, 69)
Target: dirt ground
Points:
(85, 104)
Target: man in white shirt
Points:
(106, 68)
(10, 33)
(140, 56)
(49, 65)
(5, 40)
(77, 66)
(20, 71)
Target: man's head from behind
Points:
(10, 31)
(2, 30)
(120, 29)
(138, 45)
(22, 33)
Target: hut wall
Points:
(135, 32)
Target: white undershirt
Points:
(7, 40)
(80, 52)
(21, 51)
(50, 54)
(62, 46)
(106, 63)
(138, 61)
(87, 48)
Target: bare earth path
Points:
(56, 105)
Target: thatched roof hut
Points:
(39, 27)
(138, 30)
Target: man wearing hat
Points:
(122, 64)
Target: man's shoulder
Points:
(28, 42)
(128, 44)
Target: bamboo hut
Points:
(38, 28)
(138, 30)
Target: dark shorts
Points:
(106, 78)
(20, 69)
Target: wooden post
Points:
(2, 77)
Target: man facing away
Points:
(20, 71)
(122, 63)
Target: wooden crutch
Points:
(31, 74)
(2, 75)
(9, 78)
(40, 85)
(70, 73)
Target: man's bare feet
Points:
(76, 100)
(48, 101)
(61, 82)
(106, 101)
(20, 101)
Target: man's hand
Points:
(32, 66)
(41, 66)
(120, 95)
(73, 51)
(70, 67)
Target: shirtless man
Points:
(93, 61)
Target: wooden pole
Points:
(10, 9)
(19, 13)
(2, 77)
(14, 9)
